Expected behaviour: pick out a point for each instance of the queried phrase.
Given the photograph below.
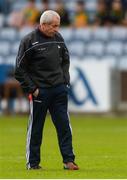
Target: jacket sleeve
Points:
(65, 65)
(21, 70)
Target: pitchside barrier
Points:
(92, 85)
(96, 87)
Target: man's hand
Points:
(36, 92)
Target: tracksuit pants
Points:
(54, 99)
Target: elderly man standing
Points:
(42, 68)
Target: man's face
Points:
(52, 28)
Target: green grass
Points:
(100, 145)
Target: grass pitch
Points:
(100, 145)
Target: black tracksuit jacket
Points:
(42, 61)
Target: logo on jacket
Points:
(41, 49)
(35, 43)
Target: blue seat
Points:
(1, 60)
(84, 34)
(119, 33)
(24, 31)
(77, 48)
(5, 48)
(11, 60)
(101, 34)
(123, 62)
(8, 34)
(125, 49)
(67, 33)
(96, 48)
(114, 48)
(15, 47)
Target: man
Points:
(42, 68)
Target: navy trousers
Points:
(54, 99)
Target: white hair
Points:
(47, 16)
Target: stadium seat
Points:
(5, 48)
(102, 34)
(1, 59)
(119, 33)
(18, 5)
(2, 19)
(67, 33)
(24, 31)
(83, 34)
(70, 5)
(108, 57)
(95, 48)
(15, 47)
(91, 5)
(11, 60)
(114, 48)
(123, 62)
(8, 34)
(125, 49)
(91, 58)
(76, 48)
(75, 58)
